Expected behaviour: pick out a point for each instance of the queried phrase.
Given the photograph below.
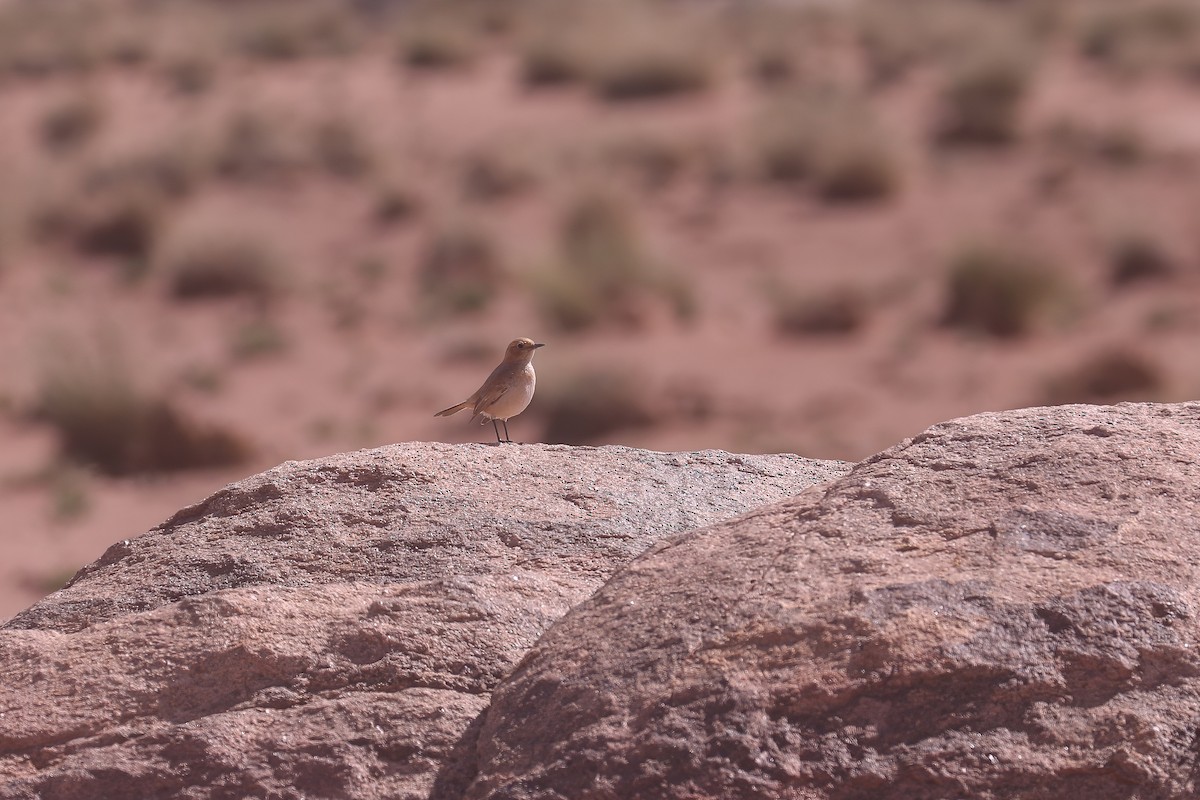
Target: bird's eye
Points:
(521, 345)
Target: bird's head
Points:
(522, 350)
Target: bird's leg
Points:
(507, 438)
(497, 428)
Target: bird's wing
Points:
(489, 394)
(495, 387)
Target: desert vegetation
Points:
(834, 224)
(998, 291)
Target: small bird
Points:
(506, 392)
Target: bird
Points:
(506, 392)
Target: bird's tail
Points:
(445, 412)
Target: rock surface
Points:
(1005, 606)
(334, 628)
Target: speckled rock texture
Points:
(334, 628)
(1005, 606)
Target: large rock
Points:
(1006, 606)
(333, 628)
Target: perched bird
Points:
(506, 392)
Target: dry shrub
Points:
(644, 51)
(460, 270)
(1131, 38)
(620, 50)
(41, 39)
(559, 46)
(169, 172)
(122, 201)
(124, 224)
(71, 123)
(895, 37)
(220, 260)
(1137, 258)
(256, 146)
(553, 59)
(1120, 144)
(997, 291)
(190, 74)
(69, 498)
(603, 273)
(774, 39)
(1108, 376)
(831, 140)
(394, 203)
(105, 421)
(341, 149)
(496, 174)
(772, 68)
(836, 312)
(129, 50)
(981, 100)
(436, 42)
(258, 338)
(585, 407)
(655, 162)
(650, 66)
(285, 30)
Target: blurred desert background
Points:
(238, 233)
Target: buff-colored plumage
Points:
(506, 392)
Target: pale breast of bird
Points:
(516, 399)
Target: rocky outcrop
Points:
(1006, 606)
(334, 628)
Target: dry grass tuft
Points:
(1120, 144)
(169, 172)
(982, 97)
(585, 407)
(553, 59)
(832, 141)
(69, 497)
(215, 260)
(655, 161)
(41, 39)
(340, 148)
(496, 174)
(460, 270)
(1132, 38)
(122, 202)
(836, 312)
(629, 57)
(997, 291)
(256, 339)
(69, 124)
(256, 146)
(125, 224)
(105, 421)
(1137, 258)
(1108, 376)
(603, 274)
(437, 43)
(286, 31)
(651, 67)
(895, 38)
(190, 75)
(395, 202)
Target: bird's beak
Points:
(536, 345)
